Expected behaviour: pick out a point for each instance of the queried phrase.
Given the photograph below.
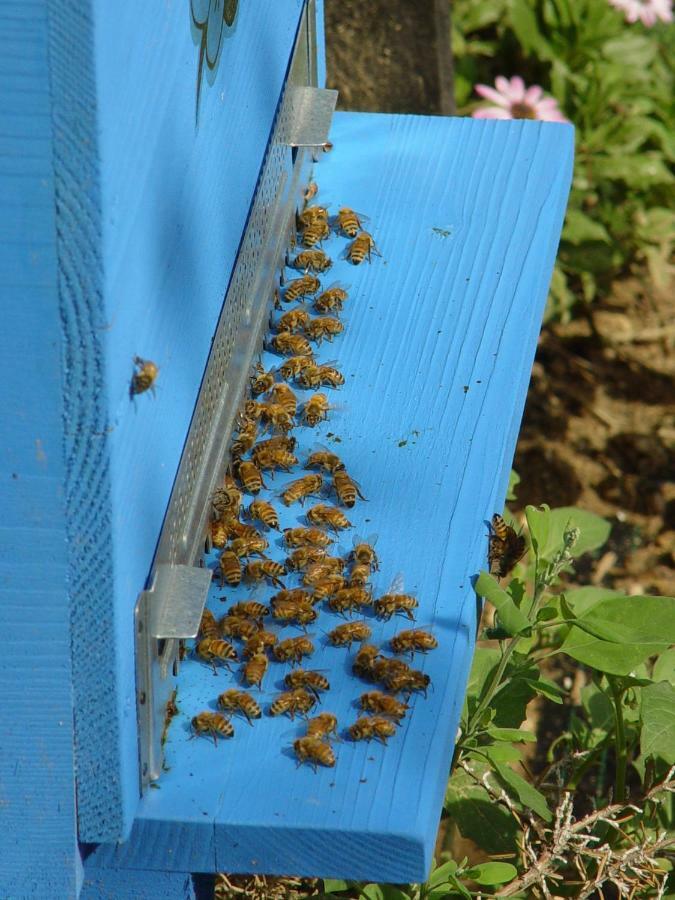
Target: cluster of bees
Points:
(241, 532)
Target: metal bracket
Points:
(177, 600)
(311, 117)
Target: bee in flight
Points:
(144, 379)
(506, 547)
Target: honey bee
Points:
(213, 725)
(264, 512)
(306, 537)
(249, 609)
(262, 381)
(377, 702)
(294, 366)
(368, 727)
(349, 222)
(321, 570)
(364, 552)
(302, 487)
(254, 410)
(293, 649)
(271, 458)
(265, 569)
(277, 417)
(345, 635)
(294, 611)
(250, 476)
(309, 679)
(386, 666)
(295, 595)
(214, 650)
(304, 556)
(326, 327)
(291, 702)
(359, 575)
(332, 299)
(230, 568)
(324, 459)
(506, 547)
(239, 701)
(208, 626)
(290, 344)
(348, 599)
(294, 320)
(315, 232)
(361, 248)
(314, 751)
(326, 565)
(282, 394)
(407, 682)
(248, 431)
(249, 546)
(255, 668)
(258, 643)
(346, 488)
(278, 442)
(235, 528)
(315, 409)
(311, 214)
(322, 726)
(413, 639)
(389, 604)
(237, 627)
(312, 261)
(326, 586)
(226, 500)
(314, 376)
(305, 286)
(364, 662)
(328, 516)
(144, 379)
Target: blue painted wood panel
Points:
(439, 340)
(37, 782)
(151, 206)
(120, 884)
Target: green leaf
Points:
(546, 688)
(521, 790)
(514, 481)
(510, 617)
(657, 713)
(594, 531)
(580, 228)
(511, 734)
(440, 875)
(477, 816)
(501, 751)
(538, 522)
(511, 700)
(639, 627)
(334, 885)
(643, 171)
(526, 28)
(631, 50)
(583, 599)
(598, 707)
(372, 892)
(492, 873)
(664, 667)
(485, 661)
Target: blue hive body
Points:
(123, 208)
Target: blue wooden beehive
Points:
(152, 162)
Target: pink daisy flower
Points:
(514, 101)
(648, 11)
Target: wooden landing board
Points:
(439, 340)
(37, 778)
(151, 209)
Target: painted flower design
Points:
(513, 100)
(649, 12)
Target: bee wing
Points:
(397, 585)
(360, 539)
(335, 220)
(336, 284)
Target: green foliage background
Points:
(614, 81)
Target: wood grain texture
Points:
(437, 351)
(150, 215)
(37, 808)
(118, 884)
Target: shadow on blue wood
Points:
(438, 346)
(150, 214)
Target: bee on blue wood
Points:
(144, 379)
(505, 549)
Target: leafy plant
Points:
(619, 829)
(614, 81)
